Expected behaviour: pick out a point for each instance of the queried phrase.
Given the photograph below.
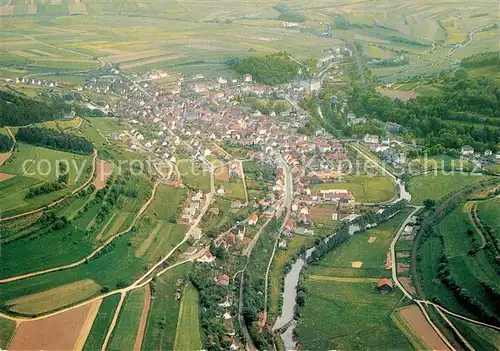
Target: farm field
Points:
(127, 325)
(441, 162)
(342, 307)
(188, 328)
(341, 315)
(435, 187)
(364, 188)
(7, 329)
(161, 328)
(101, 323)
(64, 331)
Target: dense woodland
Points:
(5, 143)
(16, 110)
(482, 60)
(270, 69)
(54, 140)
(428, 118)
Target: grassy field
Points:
(468, 270)
(343, 310)
(341, 315)
(163, 315)
(364, 188)
(7, 329)
(482, 338)
(101, 323)
(32, 166)
(193, 176)
(127, 326)
(435, 187)
(188, 328)
(489, 212)
(53, 299)
(373, 255)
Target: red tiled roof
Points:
(383, 282)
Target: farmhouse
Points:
(253, 219)
(384, 286)
(467, 150)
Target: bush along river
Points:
(285, 323)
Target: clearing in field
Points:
(222, 174)
(63, 331)
(415, 325)
(372, 239)
(104, 170)
(53, 299)
(397, 94)
(188, 327)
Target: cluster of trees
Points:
(389, 63)
(426, 116)
(271, 69)
(406, 41)
(16, 110)
(88, 112)
(5, 143)
(491, 58)
(54, 140)
(291, 16)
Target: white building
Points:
(371, 139)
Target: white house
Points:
(467, 150)
(247, 78)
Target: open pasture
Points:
(364, 188)
(436, 186)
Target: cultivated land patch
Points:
(52, 299)
(415, 319)
(144, 318)
(101, 323)
(356, 264)
(364, 188)
(59, 332)
(104, 169)
(7, 329)
(4, 176)
(4, 156)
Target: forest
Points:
(463, 98)
(491, 58)
(16, 110)
(5, 143)
(54, 140)
(271, 69)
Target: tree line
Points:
(55, 140)
(16, 110)
(5, 143)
